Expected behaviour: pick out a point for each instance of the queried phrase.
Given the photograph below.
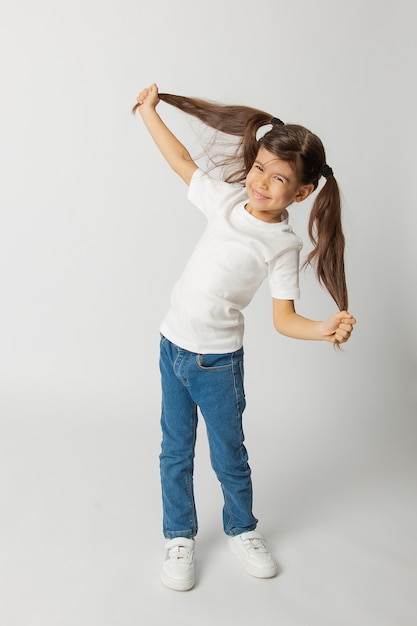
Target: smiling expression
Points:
(272, 185)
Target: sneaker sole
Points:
(177, 585)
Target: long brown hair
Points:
(302, 148)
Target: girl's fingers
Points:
(142, 96)
(145, 93)
(346, 326)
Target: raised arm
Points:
(336, 329)
(174, 152)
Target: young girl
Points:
(247, 239)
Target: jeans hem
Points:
(186, 534)
(239, 531)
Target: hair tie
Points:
(276, 120)
(326, 171)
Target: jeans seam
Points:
(229, 523)
(240, 406)
(191, 481)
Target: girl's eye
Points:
(278, 179)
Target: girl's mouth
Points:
(258, 196)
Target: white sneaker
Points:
(178, 568)
(250, 549)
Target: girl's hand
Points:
(148, 97)
(338, 328)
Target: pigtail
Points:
(326, 234)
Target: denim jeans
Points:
(212, 383)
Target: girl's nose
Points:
(263, 180)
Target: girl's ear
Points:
(303, 192)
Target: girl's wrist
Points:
(148, 110)
(323, 334)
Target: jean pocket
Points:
(214, 361)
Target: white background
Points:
(95, 228)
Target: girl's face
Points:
(272, 186)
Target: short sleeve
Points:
(210, 194)
(284, 272)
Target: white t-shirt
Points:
(235, 254)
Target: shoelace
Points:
(254, 545)
(180, 553)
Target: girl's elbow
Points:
(279, 326)
(282, 315)
(185, 168)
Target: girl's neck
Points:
(270, 218)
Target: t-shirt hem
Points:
(200, 348)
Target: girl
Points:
(247, 239)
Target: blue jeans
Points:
(214, 384)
